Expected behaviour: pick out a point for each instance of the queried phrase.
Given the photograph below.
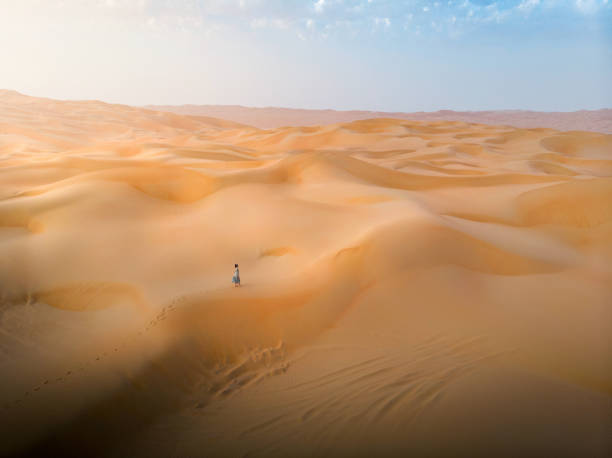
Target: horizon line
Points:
(347, 110)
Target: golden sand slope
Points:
(424, 288)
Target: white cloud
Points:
(259, 23)
(308, 17)
(588, 6)
(382, 21)
(528, 5)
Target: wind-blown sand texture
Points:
(272, 117)
(408, 288)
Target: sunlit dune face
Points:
(401, 282)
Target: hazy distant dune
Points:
(271, 117)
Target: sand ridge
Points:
(413, 287)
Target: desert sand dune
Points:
(273, 117)
(422, 288)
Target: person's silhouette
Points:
(236, 277)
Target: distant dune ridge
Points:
(271, 117)
(409, 288)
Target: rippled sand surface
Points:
(424, 288)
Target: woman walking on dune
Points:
(236, 277)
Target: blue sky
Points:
(392, 55)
